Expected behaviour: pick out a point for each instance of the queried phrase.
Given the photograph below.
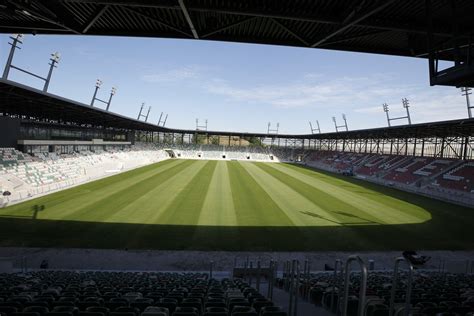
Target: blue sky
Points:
(238, 87)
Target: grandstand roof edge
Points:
(16, 98)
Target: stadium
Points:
(107, 214)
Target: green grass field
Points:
(217, 205)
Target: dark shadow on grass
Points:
(76, 234)
(320, 217)
(16, 216)
(362, 220)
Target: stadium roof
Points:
(18, 100)
(394, 27)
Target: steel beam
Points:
(387, 25)
(96, 16)
(349, 21)
(188, 18)
(287, 30)
(228, 26)
(157, 20)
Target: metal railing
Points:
(394, 286)
(271, 279)
(337, 266)
(363, 285)
(294, 282)
(306, 279)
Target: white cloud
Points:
(426, 104)
(312, 91)
(363, 95)
(172, 75)
(369, 110)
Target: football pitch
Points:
(232, 205)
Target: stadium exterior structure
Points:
(34, 121)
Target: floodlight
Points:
(405, 103)
(98, 83)
(18, 37)
(56, 57)
(113, 91)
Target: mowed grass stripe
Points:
(104, 208)
(147, 208)
(369, 203)
(329, 209)
(187, 205)
(217, 221)
(409, 210)
(253, 206)
(62, 203)
(289, 200)
(218, 208)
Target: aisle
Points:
(281, 298)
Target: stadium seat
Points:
(155, 314)
(192, 302)
(156, 309)
(122, 314)
(26, 314)
(55, 304)
(243, 310)
(98, 309)
(16, 305)
(59, 314)
(127, 309)
(8, 310)
(142, 303)
(237, 302)
(36, 309)
(113, 305)
(90, 314)
(215, 313)
(260, 303)
(215, 302)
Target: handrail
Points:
(340, 289)
(291, 287)
(337, 265)
(394, 286)
(287, 275)
(257, 284)
(363, 285)
(296, 288)
(307, 278)
(271, 277)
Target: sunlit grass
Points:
(225, 205)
